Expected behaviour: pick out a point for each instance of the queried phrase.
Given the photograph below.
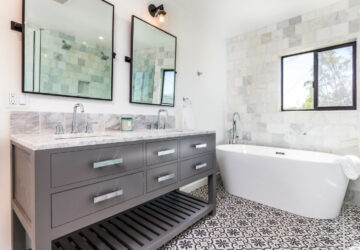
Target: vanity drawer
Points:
(73, 167)
(161, 177)
(160, 152)
(197, 145)
(73, 204)
(196, 166)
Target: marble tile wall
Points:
(254, 82)
(45, 122)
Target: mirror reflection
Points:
(153, 65)
(68, 47)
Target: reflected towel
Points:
(351, 166)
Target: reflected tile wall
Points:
(45, 122)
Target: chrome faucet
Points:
(75, 128)
(159, 118)
(235, 132)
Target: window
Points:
(323, 79)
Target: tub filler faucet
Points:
(234, 131)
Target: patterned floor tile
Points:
(243, 224)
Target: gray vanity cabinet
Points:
(76, 166)
(160, 152)
(82, 191)
(161, 177)
(72, 204)
(195, 166)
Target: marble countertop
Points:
(43, 142)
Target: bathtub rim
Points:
(329, 158)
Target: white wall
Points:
(197, 50)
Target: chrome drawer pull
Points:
(204, 145)
(108, 163)
(166, 177)
(166, 152)
(200, 166)
(108, 196)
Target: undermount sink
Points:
(78, 136)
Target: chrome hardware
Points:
(166, 152)
(75, 128)
(166, 177)
(234, 131)
(108, 196)
(204, 145)
(200, 166)
(159, 116)
(108, 163)
(59, 130)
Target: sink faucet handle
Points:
(89, 128)
(59, 130)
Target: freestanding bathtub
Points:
(305, 183)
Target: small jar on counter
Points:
(127, 123)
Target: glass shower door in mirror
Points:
(68, 48)
(153, 66)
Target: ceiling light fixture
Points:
(101, 38)
(157, 12)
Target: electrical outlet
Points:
(13, 99)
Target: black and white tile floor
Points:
(243, 224)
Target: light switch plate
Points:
(13, 99)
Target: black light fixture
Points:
(157, 12)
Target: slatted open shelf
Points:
(147, 226)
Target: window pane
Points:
(335, 77)
(168, 87)
(298, 77)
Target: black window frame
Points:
(315, 83)
(163, 85)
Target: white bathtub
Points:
(305, 183)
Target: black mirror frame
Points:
(131, 62)
(73, 96)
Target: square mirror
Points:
(68, 48)
(153, 65)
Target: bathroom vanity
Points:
(114, 191)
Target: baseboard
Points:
(197, 184)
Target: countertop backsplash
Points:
(44, 123)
